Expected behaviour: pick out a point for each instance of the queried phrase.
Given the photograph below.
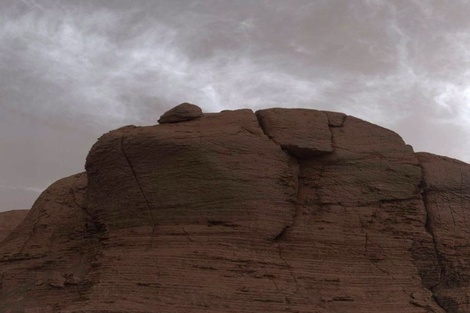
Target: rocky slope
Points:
(282, 210)
(9, 220)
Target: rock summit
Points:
(183, 112)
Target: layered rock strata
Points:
(282, 210)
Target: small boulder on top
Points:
(180, 113)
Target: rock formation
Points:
(282, 210)
(183, 112)
(9, 220)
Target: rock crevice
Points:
(134, 174)
(301, 134)
(429, 228)
(444, 194)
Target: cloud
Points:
(111, 63)
(22, 188)
(72, 69)
(68, 64)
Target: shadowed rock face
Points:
(282, 210)
(9, 220)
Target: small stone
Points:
(56, 280)
(72, 279)
(181, 113)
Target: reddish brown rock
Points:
(216, 216)
(9, 220)
(57, 238)
(335, 119)
(446, 192)
(303, 133)
(181, 113)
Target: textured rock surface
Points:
(301, 132)
(183, 112)
(45, 263)
(9, 220)
(279, 211)
(447, 197)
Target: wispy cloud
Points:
(22, 188)
(82, 70)
(97, 63)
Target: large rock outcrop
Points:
(282, 210)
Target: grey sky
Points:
(71, 70)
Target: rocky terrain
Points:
(281, 210)
(9, 220)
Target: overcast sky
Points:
(71, 70)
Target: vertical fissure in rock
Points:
(289, 268)
(344, 120)
(92, 224)
(295, 165)
(331, 127)
(82, 207)
(147, 203)
(429, 229)
(282, 235)
(333, 123)
(297, 207)
(298, 289)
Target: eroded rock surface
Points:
(284, 210)
(301, 132)
(9, 220)
(446, 192)
(181, 113)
